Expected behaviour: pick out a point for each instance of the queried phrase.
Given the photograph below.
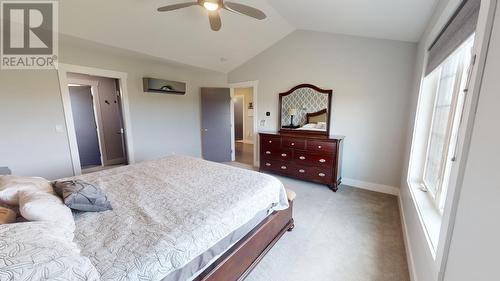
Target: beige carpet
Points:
(351, 235)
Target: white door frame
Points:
(255, 85)
(62, 71)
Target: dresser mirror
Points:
(305, 109)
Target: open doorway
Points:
(97, 118)
(243, 125)
(228, 125)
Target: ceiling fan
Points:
(214, 6)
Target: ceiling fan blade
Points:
(215, 21)
(176, 6)
(245, 10)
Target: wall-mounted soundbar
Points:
(153, 85)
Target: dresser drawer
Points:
(276, 153)
(294, 143)
(266, 140)
(314, 159)
(276, 166)
(321, 175)
(320, 146)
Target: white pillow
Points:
(11, 185)
(321, 125)
(309, 126)
(42, 206)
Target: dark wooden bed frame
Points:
(241, 259)
(314, 114)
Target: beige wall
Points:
(31, 108)
(372, 80)
(247, 93)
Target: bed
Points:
(182, 218)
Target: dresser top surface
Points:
(305, 136)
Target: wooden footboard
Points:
(239, 261)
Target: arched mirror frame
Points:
(329, 110)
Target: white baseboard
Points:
(382, 188)
(247, 141)
(409, 253)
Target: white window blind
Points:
(458, 29)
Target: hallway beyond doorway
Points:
(244, 153)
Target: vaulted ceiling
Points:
(184, 36)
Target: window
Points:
(443, 95)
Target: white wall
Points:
(372, 80)
(31, 107)
(475, 245)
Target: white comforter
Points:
(41, 251)
(167, 212)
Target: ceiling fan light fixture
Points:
(211, 6)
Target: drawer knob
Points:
(268, 152)
(320, 147)
(321, 175)
(270, 141)
(302, 171)
(283, 154)
(268, 164)
(322, 160)
(292, 143)
(302, 158)
(283, 167)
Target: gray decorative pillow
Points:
(82, 196)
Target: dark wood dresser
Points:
(313, 158)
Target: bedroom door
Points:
(216, 124)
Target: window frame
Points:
(453, 125)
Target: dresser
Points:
(314, 158)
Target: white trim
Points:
(382, 188)
(255, 85)
(62, 71)
(406, 238)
